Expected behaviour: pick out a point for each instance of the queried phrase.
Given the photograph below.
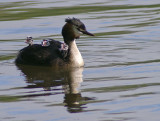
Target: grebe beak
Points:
(87, 33)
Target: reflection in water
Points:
(47, 78)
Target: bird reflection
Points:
(48, 78)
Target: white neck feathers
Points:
(75, 55)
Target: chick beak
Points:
(44, 43)
(26, 41)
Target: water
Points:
(120, 80)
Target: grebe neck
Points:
(75, 57)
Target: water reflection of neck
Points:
(73, 79)
(73, 97)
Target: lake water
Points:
(121, 77)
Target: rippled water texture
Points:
(121, 77)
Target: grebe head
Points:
(29, 40)
(45, 43)
(72, 30)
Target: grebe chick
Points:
(45, 43)
(63, 48)
(29, 40)
(57, 54)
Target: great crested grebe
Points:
(55, 53)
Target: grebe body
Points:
(55, 53)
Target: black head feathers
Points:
(75, 21)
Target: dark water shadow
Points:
(48, 78)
